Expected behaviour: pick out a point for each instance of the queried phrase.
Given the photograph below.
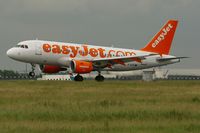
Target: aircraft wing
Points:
(125, 57)
(168, 59)
(120, 60)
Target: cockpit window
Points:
(22, 46)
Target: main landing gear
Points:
(32, 73)
(99, 77)
(78, 77)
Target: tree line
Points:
(8, 73)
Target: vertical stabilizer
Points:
(161, 42)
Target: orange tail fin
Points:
(161, 42)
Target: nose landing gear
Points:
(32, 73)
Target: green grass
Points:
(92, 107)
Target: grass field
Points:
(92, 107)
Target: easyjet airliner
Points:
(82, 58)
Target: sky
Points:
(118, 23)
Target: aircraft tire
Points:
(31, 74)
(78, 78)
(99, 78)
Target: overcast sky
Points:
(122, 23)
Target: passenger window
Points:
(22, 46)
(26, 46)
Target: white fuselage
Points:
(61, 54)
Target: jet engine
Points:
(81, 67)
(50, 69)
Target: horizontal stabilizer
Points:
(168, 59)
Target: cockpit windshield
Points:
(22, 46)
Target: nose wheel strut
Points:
(32, 73)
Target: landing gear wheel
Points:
(99, 78)
(31, 74)
(78, 78)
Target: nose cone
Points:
(10, 53)
(13, 53)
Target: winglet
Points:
(161, 42)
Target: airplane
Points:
(53, 57)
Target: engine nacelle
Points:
(50, 69)
(81, 67)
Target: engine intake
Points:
(81, 67)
